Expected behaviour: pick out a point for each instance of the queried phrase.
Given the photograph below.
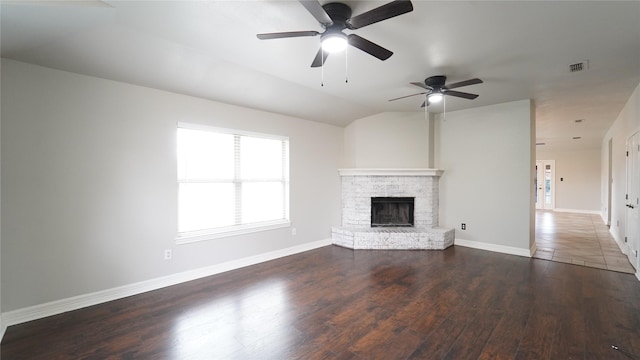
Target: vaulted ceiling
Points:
(209, 49)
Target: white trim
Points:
(493, 247)
(638, 275)
(210, 234)
(533, 249)
(77, 302)
(3, 327)
(202, 127)
(592, 212)
(390, 172)
(620, 242)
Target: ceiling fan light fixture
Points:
(435, 97)
(334, 42)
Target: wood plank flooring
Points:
(336, 303)
(580, 239)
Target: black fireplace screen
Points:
(392, 211)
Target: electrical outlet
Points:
(168, 254)
(293, 231)
(463, 226)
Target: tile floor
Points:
(580, 239)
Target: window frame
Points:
(236, 229)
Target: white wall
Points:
(625, 125)
(2, 326)
(89, 188)
(579, 170)
(486, 154)
(388, 140)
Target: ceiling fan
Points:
(436, 89)
(336, 17)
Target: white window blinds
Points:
(230, 180)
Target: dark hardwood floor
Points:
(335, 303)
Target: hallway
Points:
(580, 239)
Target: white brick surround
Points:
(360, 185)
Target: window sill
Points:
(204, 235)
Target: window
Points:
(230, 182)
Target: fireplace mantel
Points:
(390, 172)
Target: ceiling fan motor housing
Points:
(339, 13)
(435, 82)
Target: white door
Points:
(632, 235)
(545, 184)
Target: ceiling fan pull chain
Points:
(322, 66)
(426, 112)
(346, 65)
(444, 108)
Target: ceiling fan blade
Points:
(320, 58)
(314, 7)
(460, 94)
(289, 34)
(383, 12)
(422, 85)
(402, 97)
(424, 104)
(369, 47)
(464, 83)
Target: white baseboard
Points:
(495, 248)
(3, 327)
(592, 212)
(533, 249)
(77, 302)
(620, 242)
(613, 235)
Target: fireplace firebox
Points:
(392, 211)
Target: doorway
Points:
(632, 201)
(545, 184)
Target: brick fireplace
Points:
(362, 186)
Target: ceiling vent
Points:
(579, 66)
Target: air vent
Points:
(579, 66)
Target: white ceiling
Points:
(521, 49)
